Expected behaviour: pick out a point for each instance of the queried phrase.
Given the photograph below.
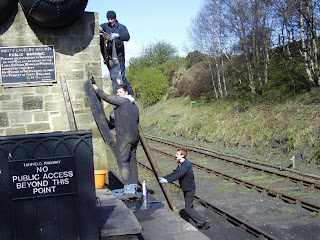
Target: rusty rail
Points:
(270, 192)
(246, 164)
(235, 220)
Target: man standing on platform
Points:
(126, 120)
(117, 32)
(184, 173)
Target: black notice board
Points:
(42, 177)
(25, 66)
(28, 210)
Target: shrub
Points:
(150, 85)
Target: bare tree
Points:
(208, 39)
(309, 39)
(301, 19)
(246, 30)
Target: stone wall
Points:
(39, 109)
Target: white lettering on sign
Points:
(58, 175)
(33, 164)
(42, 169)
(52, 162)
(44, 190)
(25, 178)
(43, 181)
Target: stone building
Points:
(39, 109)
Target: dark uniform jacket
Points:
(126, 117)
(124, 36)
(184, 173)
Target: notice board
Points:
(42, 177)
(47, 187)
(27, 66)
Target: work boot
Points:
(206, 225)
(129, 192)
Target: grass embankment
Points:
(277, 131)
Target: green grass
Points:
(293, 125)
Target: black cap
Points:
(111, 14)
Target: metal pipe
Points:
(156, 170)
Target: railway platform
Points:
(122, 221)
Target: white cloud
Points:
(132, 50)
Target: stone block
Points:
(100, 153)
(15, 131)
(85, 118)
(41, 90)
(32, 102)
(53, 106)
(76, 86)
(52, 97)
(61, 128)
(41, 117)
(4, 97)
(77, 104)
(82, 57)
(4, 119)
(38, 127)
(10, 105)
(76, 75)
(18, 118)
(59, 120)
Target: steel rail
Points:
(223, 154)
(256, 231)
(300, 181)
(278, 195)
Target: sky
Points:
(150, 22)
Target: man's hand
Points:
(114, 36)
(95, 87)
(163, 180)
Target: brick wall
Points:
(41, 109)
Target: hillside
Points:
(272, 132)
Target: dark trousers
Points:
(114, 75)
(124, 79)
(193, 214)
(127, 162)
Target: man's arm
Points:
(176, 174)
(124, 34)
(114, 100)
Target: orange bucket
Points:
(99, 178)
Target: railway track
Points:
(271, 192)
(250, 228)
(300, 182)
(243, 161)
(277, 218)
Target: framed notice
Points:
(35, 178)
(27, 66)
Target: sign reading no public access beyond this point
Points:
(42, 177)
(27, 66)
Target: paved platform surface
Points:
(122, 221)
(163, 224)
(114, 217)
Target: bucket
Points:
(99, 178)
